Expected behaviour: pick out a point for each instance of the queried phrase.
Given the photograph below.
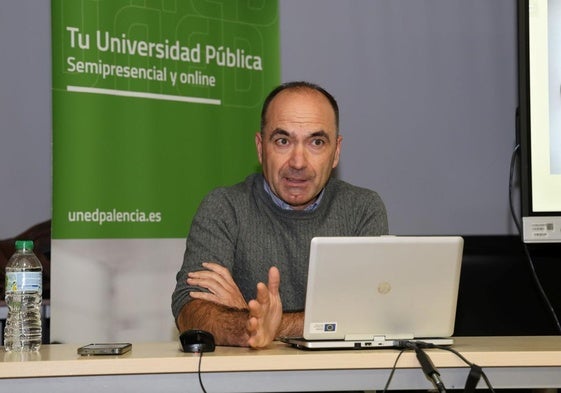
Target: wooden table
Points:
(509, 362)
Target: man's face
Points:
(299, 146)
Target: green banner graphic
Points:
(154, 104)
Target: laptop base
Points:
(302, 343)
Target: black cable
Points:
(470, 364)
(410, 345)
(511, 185)
(429, 369)
(463, 358)
(393, 370)
(427, 366)
(535, 277)
(199, 372)
(473, 379)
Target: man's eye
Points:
(318, 142)
(281, 141)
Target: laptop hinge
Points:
(377, 338)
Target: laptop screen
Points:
(394, 287)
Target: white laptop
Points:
(368, 292)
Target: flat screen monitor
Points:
(539, 121)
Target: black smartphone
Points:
(104, 349)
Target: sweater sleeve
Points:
(211, 238)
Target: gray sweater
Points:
(241, 228)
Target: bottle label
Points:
(24, 282)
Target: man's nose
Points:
(298, 157)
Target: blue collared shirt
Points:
(285, 206)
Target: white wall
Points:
(25, 114)
(427, 90)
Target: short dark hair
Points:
(299, 85)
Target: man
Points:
(252, 232)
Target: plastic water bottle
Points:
(24, 290)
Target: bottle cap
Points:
(24, 245)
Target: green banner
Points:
(154, 104)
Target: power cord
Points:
(430, 370)
(476, 372)
(524, 245)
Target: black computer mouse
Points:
(194, 340)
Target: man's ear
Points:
(337, 151)
(259, 146)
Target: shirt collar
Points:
(285, 206)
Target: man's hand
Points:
(222, 288)
(255, 325)
(265, 312)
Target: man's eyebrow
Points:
(316, 134)
(320, 133)
(279, 131)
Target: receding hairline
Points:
(299, 86)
